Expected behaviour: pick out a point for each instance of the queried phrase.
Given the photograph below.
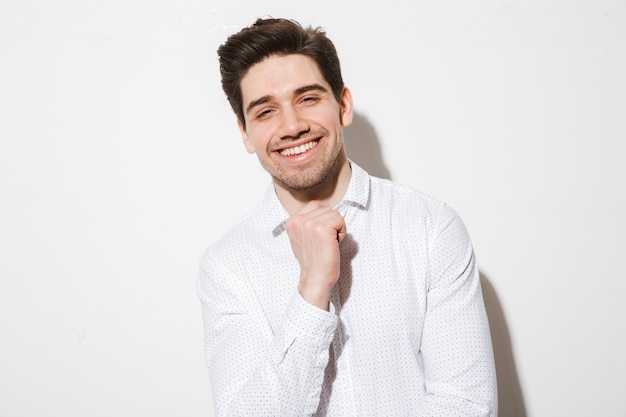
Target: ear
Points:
(346, 108)
(244, 137)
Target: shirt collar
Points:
(356, 195)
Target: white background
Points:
(120, 162)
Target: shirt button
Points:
(329, 331)
(343, 365)
(319, 381)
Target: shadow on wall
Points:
(510, 398)
(363, 147)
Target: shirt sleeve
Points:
(456, 343)
(254, 372)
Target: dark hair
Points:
(267, 37)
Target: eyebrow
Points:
(312, 87)
(297, 92)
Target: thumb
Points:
(341, 233)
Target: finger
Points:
(341, 233)
(332, 219)
(315, 216)
(313, 213)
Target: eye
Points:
(310, 99)
(264, 113)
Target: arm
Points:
(252, 372)
(456, 343)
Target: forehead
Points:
(279, 76)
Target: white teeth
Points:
(296, 150)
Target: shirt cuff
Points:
(313, 323)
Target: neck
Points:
(328, 193)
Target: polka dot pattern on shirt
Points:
(407, 334)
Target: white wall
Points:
(120, 161)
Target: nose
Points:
(293, 125)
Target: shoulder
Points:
(415, 215)
(405, 201)
(236, 242)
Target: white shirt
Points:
(406, 334)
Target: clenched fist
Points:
(315, 233)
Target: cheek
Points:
(249, 145)
(249, 139)
(258, 139)
(328, 119)
(246, 139)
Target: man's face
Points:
(293, 121)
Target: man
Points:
(341, 294)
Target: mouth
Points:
(297, 150)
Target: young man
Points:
(341, 294)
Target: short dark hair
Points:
(267, 37)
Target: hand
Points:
(315, 233)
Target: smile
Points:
(297, 150)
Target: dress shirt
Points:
(406, 334)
